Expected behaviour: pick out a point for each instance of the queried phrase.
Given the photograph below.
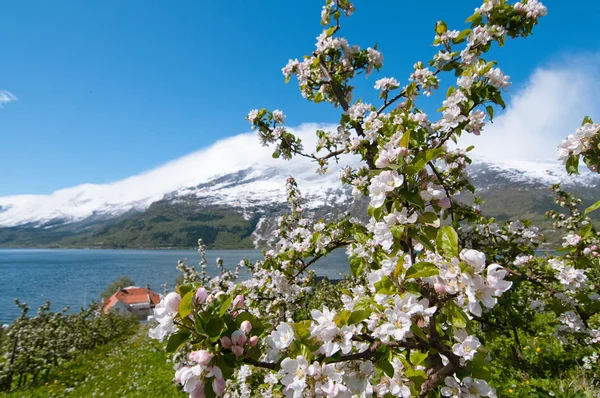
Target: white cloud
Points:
(550, 106)
(223, 157)
(6, 97)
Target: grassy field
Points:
(135, 366)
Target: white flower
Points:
(385, 182)
(279, 340)
(478, 292)
(386, 84)
(294, 379)
(533, 8)
(278, 116)
(572, 321)
(397, 327)
(571, 239)
(495, 279)
(359, 381)
(163, 313)
(252, 115)
(572, 278)
(476, 387)
(327, 379)
(358, 110)
(466, 348)
(172, 301)
(452, 388)
(325, 328)
(474, 258)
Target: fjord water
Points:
(68, 277)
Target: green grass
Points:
(134, 366)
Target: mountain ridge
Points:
(235, 202)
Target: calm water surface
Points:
(68, 277)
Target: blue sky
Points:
(108, 89)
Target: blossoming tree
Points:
(429, 274)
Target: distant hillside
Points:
(239, 209)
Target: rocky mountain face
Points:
(239, 208)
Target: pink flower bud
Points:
(179, 372)
(238, 301)
(594, 247)
(202, 357)
(238, 338)
(172, 301)
(226, 342)
(253, 341)
(218, 386)
(444, 203)
(237, 350)
(246, 326)
(439, 288)
(200, 295)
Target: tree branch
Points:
(266, 365)
(441, 180)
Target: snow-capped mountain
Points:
(235, 171)
(232, 192)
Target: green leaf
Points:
(405, 139)
(422, 270)
(177, 340)
(214, 327)
(428, 218)
(301, 329)
(586, 231)
(462, 36)
(357, 266)
(481, 368)
(592, 208)
(418, 357)
(362, 303)
(397, 231)
(573, 164)
(187, 304)
(458, 317)
(358, 316)
(208, 391)
(225, 367)
(447, 241)
(441, 27)
(386, 367)
(225, 305)
(490, 111)
(246, 316)
(341, 318)
(418, 332)
(184, 289)
(398, 270)
(385, 286)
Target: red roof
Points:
(132, 295)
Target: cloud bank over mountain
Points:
(549, 107)
(224, 157)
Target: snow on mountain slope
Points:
(528, 173)
(239, 172)
(199, 173)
